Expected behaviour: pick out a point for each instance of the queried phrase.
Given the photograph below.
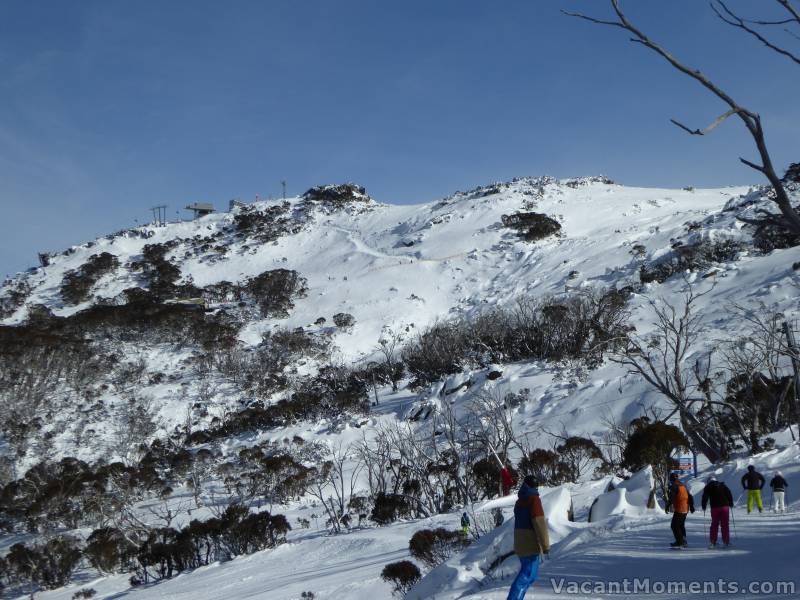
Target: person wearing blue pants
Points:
(528, 570)
(531, 539)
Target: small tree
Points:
(546, 467)
(653, 444)
(578, 454)
(389, 348)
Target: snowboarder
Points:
(531, 539)
(506, 480)
(778, 485)
(681, 503)
(465, 524)
(719, 496)
(753, 481)
(498, 517)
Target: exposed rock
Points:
(337, 194)
(532, 226)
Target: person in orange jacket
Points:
(681, 503)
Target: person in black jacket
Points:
(778, 485)
(719, 496)
(753, 481)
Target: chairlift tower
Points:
(159, 215)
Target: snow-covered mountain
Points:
(343, 271)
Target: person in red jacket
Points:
(506, 480)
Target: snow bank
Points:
(629, 498)
(491, 550)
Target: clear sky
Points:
(109, 107)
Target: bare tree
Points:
(336, 483)
(135, 425)
(789, 217)
(389, 347)
(662, 359)
(758, 364)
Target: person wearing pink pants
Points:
(719, 496)
(720, 519)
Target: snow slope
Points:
(462, 260)
(409, 266)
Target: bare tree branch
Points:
(792, 10)
(708, 129)
(750, 119)
(735, 20)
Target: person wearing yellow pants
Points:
(465, 524)
(753, 481)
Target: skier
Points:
(506, 480)
(778, 485)
(465, 524)
(753, 481)
(498, 517)
(531, 539)
(681, 503)
(720, 497)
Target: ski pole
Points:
(733, 520)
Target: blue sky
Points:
(109, 107)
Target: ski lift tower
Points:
(159, 215)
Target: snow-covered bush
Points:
(274, 291)
(266, 224)
(691, 257)
(401, 576)
(344, 320)
(579, 326)
(434, 546)
(108, 550)
(13, 294)
(387, 508)
(167, 551)
(48, 566)
(532, 226)
(161, 274)
(337, 194)
(77, 283)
